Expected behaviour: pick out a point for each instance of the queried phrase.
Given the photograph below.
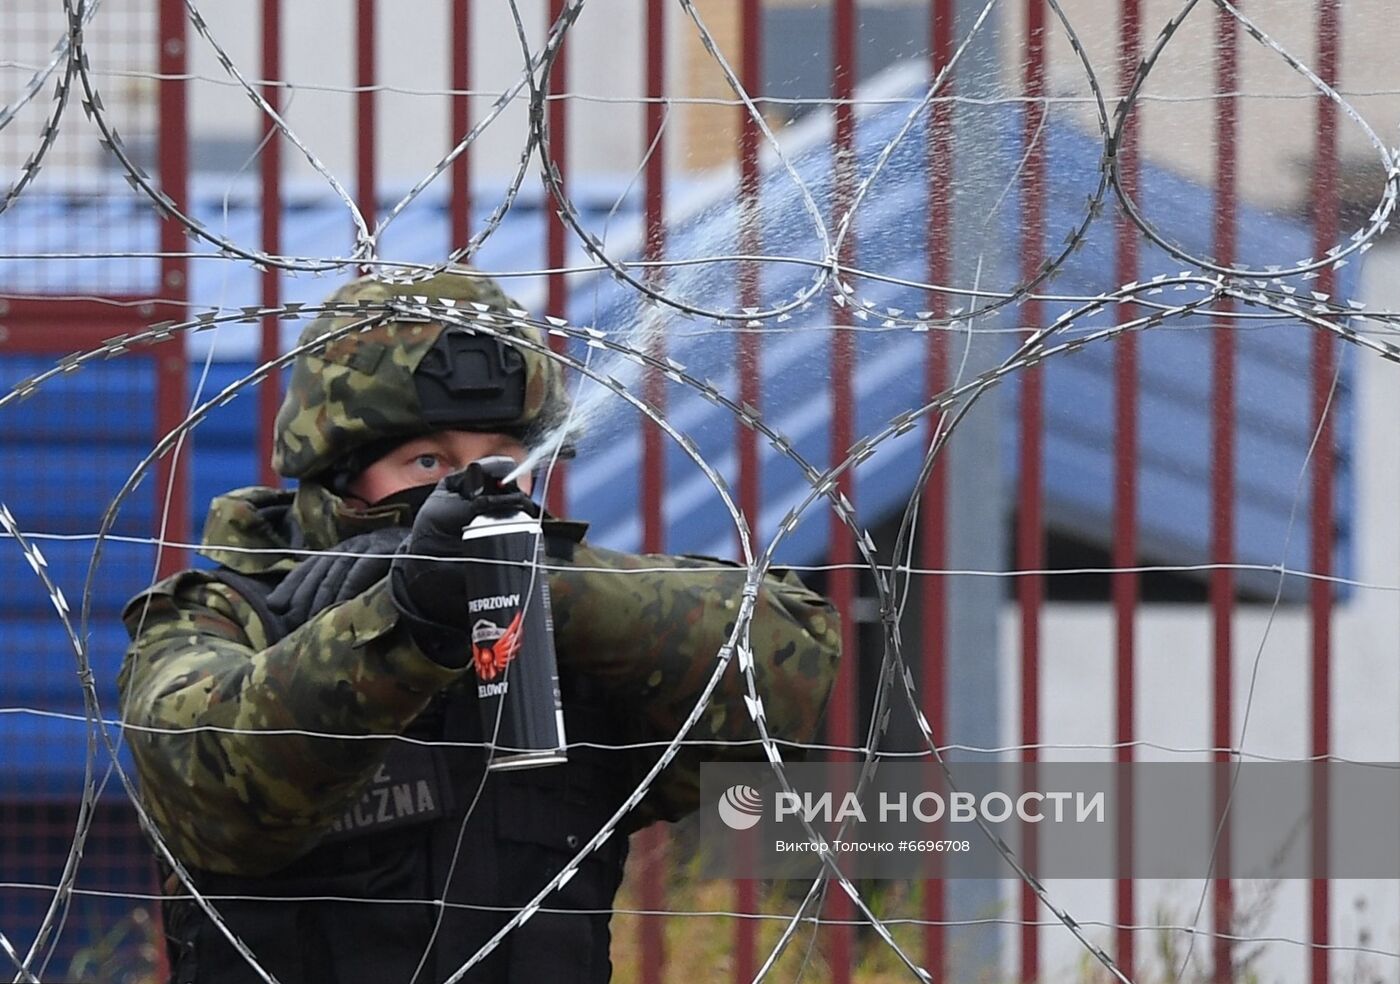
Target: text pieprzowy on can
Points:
(512, 634)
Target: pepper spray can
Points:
(512, 631)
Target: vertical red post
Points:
(933, 519)
(842, 712)
(653, 204)
(557, 285)
(750, 238)
(653, 840)
(366, 132)
(1222, 475)
(270, 170)
(1030, 538)
(172, 136)
(1124, 580)
(460, 53)
(1326, 226)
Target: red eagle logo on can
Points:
(494, 647)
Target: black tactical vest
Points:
(363, 906)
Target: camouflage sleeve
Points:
(652, 639)
(200, 687)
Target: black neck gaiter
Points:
(408, 501)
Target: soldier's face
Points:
(424, 460)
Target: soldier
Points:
(273, 695)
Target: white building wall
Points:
(1272, 655)
(1277, 105)
(605, 52)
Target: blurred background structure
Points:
(1178, 543)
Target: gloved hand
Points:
(428, 588)
(323, 580)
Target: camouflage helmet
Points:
(352, 400)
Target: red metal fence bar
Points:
(749, 352)
(270, 204)
(653, 841)
(933, 520)
(556, 243)
(1222, 471)
(366, 131)
(750, 239)
(460, 54)
(1124, 581)
(172, 138)
(1030, 540)
(843, 583)
(654, 190)
(1326, 226)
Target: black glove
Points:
(323, 580)
(432, 594)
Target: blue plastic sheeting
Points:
(1274, 429)
(51, 681)
(52, 752)
(63, 230)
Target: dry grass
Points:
(699, 930)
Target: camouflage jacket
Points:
(200, 681)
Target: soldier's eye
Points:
(428, 462)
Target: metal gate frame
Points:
(56, 327)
